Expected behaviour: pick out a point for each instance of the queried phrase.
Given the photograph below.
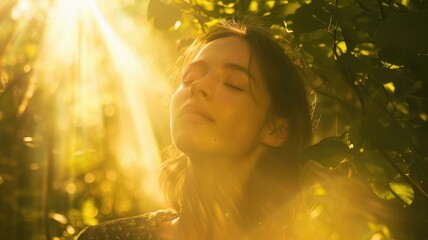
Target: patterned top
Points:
(143, 227)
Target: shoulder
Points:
(142, 227)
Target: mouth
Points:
(197, 111)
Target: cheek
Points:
(244, 124)
(177, 100)
(176, 132)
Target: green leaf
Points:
(164, 16)
(382, 191)
(393, 55)
(309, 18)
(350, 36)
(397, 137)
(407, 32)
(386, 75)
(381, 174)
(403, 190)
(379, 169)
(353, 64)
(373, 132)
(352, 67)
(329, 152)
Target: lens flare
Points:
(93, 74)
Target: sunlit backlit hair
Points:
(275, 181)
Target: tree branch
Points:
(402, 174)
(382, 13)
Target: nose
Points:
(200, 89)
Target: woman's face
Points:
(217, 112)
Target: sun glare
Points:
(95, 74)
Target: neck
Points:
(212, 192)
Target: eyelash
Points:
(234, 87)
(186, 82)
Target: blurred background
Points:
(84, 98)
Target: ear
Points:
(277, 132)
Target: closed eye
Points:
(188, 79)
(186, 83)
(231, 86)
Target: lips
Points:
(192, 109)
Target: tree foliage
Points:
(367, 62)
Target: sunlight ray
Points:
(135, 74)
(86, 66)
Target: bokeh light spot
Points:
(34, 166)
(89, 178)
(58, 217)
(71, 188)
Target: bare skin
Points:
(222, 122)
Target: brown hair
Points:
(275, 180)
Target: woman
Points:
(240, 117)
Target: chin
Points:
(194, 146)
(187, 143)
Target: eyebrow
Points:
(193, 64)
(229, 65)
(240, 68)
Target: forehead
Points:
(232, 49)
